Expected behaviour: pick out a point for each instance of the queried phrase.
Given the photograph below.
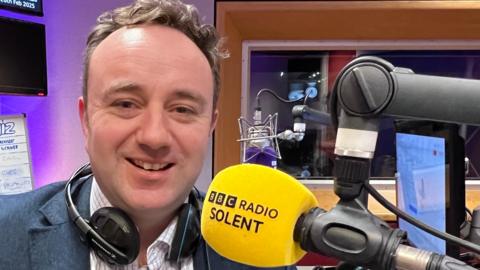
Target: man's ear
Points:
(82, 113)
(214, 121)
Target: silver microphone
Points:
(258, 140)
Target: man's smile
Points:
(150, 166)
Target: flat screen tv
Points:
(23, 61)
(34, 7)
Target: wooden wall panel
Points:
(325, 20)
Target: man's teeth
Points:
(150, 166)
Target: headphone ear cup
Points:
(116, 228)
(187, 233)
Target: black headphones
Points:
(114, 237)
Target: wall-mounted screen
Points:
(23, 63)
(34, 7)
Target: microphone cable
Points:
(445, 236)
(270, 91)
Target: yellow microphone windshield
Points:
(249, 215)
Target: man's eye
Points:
(124, 104)
(184, 110)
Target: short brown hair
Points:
(171, 13)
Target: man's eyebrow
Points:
(189, 95)
(131, 87)
(122, 87)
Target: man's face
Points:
(149, 117)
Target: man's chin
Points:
(151, 201)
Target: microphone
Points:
(263, 217)
(409, 258)
(250, 212)
(259, 140)
(351, 234)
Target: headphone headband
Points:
(100, 245)
(113, 235)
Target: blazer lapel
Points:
(54, 240)
(200, 261)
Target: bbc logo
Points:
(222, 199)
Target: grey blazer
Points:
(36, 233)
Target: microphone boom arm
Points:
(365, 90)
(370, 87)
(301, 113)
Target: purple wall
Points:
(56, 141)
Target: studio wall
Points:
(56, 140)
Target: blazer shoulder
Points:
(23, 205)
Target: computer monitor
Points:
(23, 61)
(430, 181)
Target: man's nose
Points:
(154, 131)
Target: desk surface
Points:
(327, 199)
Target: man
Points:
(147, 111)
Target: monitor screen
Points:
(23, 63)
(421, 187)
(26, 6)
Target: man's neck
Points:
(149, 231)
